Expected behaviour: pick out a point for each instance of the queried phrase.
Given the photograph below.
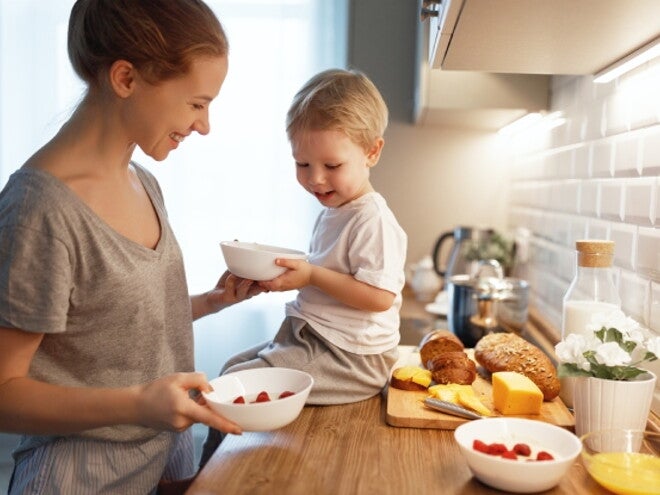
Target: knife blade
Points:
(450, 408)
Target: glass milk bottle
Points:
(591, 291)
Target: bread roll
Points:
(453, 367)
(509, 352)
(436, 343)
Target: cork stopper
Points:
(595, 253)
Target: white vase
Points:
(601, 404)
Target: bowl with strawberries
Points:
(260, 399)
(517, 455)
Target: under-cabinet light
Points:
(629, 62)
(519, 124)
(537, 120)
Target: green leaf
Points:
(569, 369)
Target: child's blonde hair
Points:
(343, 100)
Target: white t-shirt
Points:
(362, 238)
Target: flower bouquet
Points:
(614, 350)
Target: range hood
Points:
(539, 36)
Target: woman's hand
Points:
(229, 290)
(165, 404)
(299, 274)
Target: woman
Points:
(96, 353)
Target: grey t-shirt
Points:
(113, 312)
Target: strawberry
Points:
(496, 449)
(544, 456)
(509, 454)
(263, 397)
(480, 446)
(522, 449)
(239, 400)
(286, 393)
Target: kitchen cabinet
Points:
(386, 40)
(539, 36)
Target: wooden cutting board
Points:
(407, 409)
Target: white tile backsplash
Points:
(596, 177)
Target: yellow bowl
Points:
(623, 461)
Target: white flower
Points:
(611, 354)
(572, 349)
(614, 348)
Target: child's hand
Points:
(298, 275)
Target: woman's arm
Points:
(229, 290)
(342, 286)
(33, 407)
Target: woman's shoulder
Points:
(32, 196)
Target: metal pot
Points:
(480, 305)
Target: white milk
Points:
(576, 316)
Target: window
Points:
(236, 183)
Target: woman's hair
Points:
(343, 100)
(159, 37)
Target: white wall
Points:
(436, 178)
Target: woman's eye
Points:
(301, 165)
(197, 106)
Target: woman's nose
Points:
(202, 125)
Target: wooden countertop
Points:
(349, 449)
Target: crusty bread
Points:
(453, 367)
(410, 378)
(509, 352)
(436, 343)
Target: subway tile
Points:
(617, 114)
(637, 201)
(650, 159)
(565, 164)
(589, 198)
(597, 229)
(626, 151)
(581, 161)
(594, 128)
(611, 200)
(655, 203)
(565, 196)
(648, 252)
(624, 237)
(632, 291)
(601, 159)
(654, 307)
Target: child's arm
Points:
(342, 286)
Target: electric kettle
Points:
(460, 240)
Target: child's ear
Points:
(374, 152)
(122, 78)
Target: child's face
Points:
(160, 117)
(332, 167)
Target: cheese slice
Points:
(514, 393)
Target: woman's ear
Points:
(374, 152)
(122, 78)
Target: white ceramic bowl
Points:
(256, 261)
(260, 416)
(518, 476)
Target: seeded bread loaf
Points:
(509, 352)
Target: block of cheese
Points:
(514, 393)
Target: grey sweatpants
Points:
(340, 377)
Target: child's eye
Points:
(331, 166)
(302, 165)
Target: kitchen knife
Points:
(450, 408)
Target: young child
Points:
(343, 327)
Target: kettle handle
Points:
(436, 253)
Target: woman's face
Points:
(160, 117)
